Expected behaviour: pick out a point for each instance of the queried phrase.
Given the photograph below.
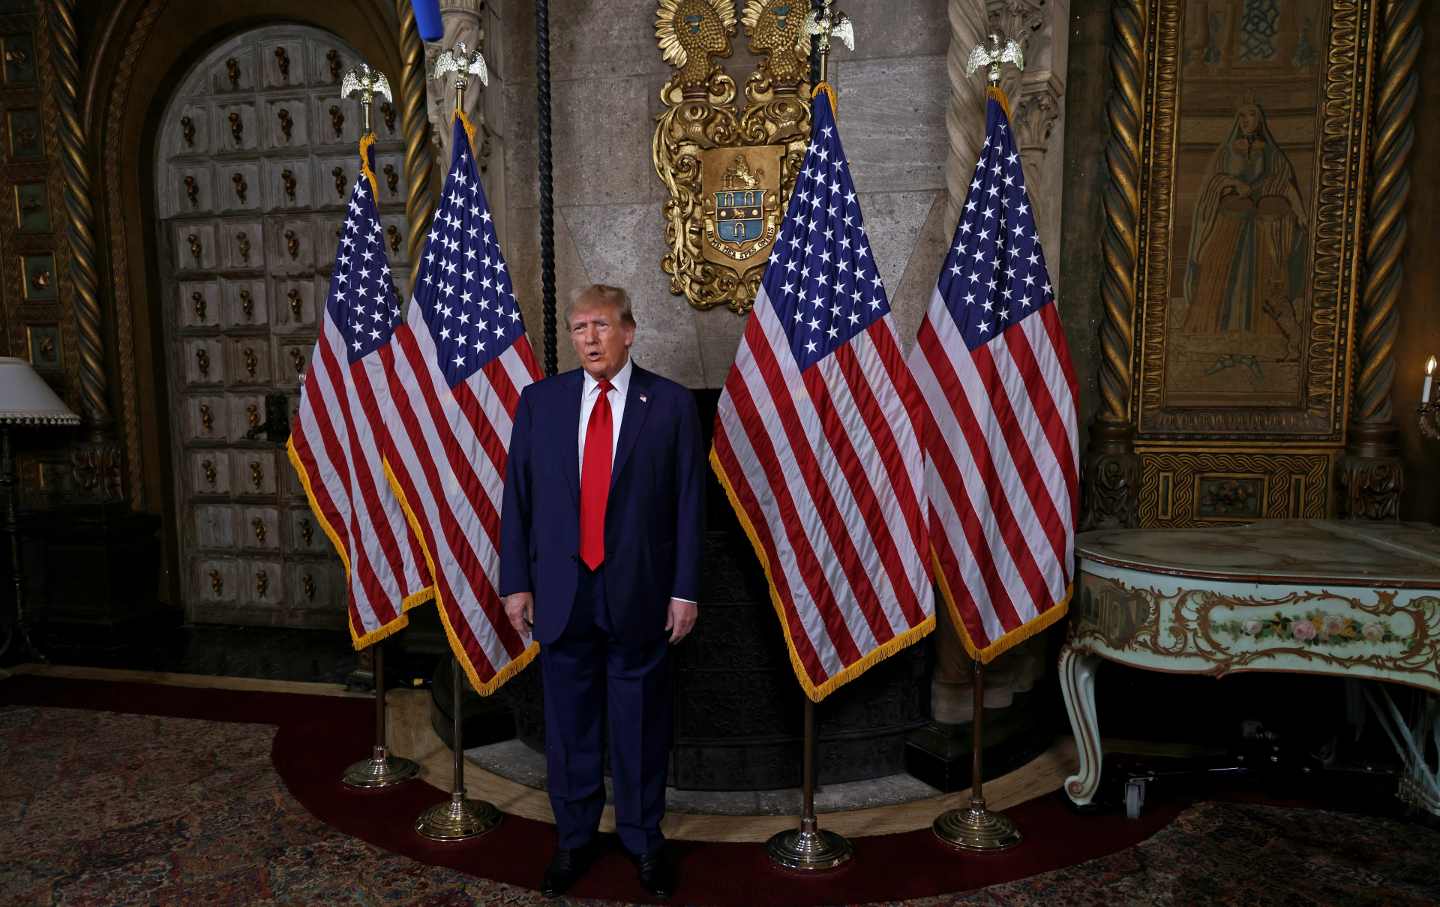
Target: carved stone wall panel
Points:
(1197, 488)
(388, 170)
(193, 247)
(291, 244)
(260, 529)
(315, 586)
(334, 122)
(333, 176)
(191, 192)
(214, 526)
(190, 133)
(205, 418)
(287, 122)
(262, 583)
(328, 63)
(245, 303)
(249, 361)
(233, 127)
(235, 73)
(214, 582)
(246, 411)
(199, 304)
(210, 472)
(303, 533)
(283, 62)
(289, 183)
(295, 305)
(291, 362)
(239, 188)
(203, 362)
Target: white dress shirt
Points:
(590, 395)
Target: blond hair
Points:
(600, 294)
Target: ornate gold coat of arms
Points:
(729, 171)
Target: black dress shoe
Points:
(656, 873)
(564, 870)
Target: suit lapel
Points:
(570, 423)
(637, 407)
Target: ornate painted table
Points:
(1350, 599)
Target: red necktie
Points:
(595, 480)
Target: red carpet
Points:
(318, 736)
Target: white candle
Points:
(1429, 377)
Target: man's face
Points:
(601, 339)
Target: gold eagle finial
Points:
(993, 56)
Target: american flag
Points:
(459, 363)
(337, 438)
(817, 436)
(1001, 454)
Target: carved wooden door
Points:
(255, 160)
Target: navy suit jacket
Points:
(654, 515)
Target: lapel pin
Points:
(644, 399)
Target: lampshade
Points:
(25, 398)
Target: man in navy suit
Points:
(600, 554)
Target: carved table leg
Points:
(1077, 682)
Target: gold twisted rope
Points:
(1122, 214)
(419, 205)
(80, 214)
(1399, 81)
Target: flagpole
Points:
(808, 848)
(457, 819)
(975, 827)
(381, 769)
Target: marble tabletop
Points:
(1335, 552)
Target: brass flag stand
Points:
(975, 827)
(457, 819)
(810, 848)
(381, 769)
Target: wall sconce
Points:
(1428, 412)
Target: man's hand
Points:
(681, 618)
(520, 609)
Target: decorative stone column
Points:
(464, 21)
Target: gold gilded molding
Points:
(1198, 488)
(1332, 225)
(1379, 322)
(80, 215)
(136, 36)
(728, 171)
(1121, 239)
(1205, 631)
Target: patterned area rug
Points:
(105, 808)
